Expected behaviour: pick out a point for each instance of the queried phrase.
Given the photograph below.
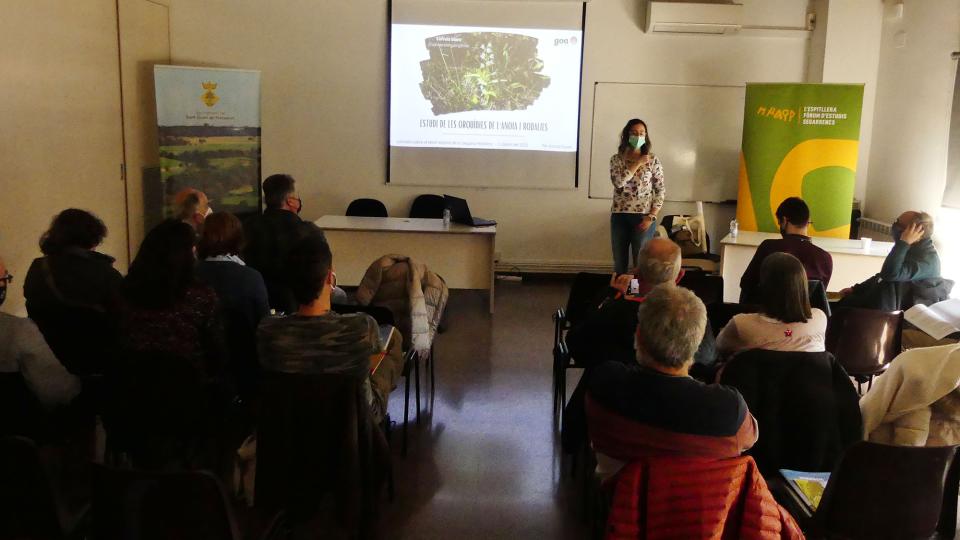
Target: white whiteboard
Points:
(695, 131)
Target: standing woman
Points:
(638, 193)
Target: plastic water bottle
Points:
(446, 217)
(734, 227)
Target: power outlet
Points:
(496, 256)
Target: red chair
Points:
(864, 341)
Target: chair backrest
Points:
(428, 206)
(818, 296)
(707, 287)
(366, 208)
(879, 491)
(153, 505)
(158, 409)
(316, 436)
(27, 505)
(720, 313)
(586, 288)
(864, 340)
(806, 406)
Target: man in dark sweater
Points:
(666, 411)
(606, 332)
(910, 274)
(271, 235)
(793, 216)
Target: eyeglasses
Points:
(7, 278)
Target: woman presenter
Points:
(638, 191)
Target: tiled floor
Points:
(484, 463)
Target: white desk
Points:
(462, 255)
(851, 263)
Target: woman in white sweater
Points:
(786, 322)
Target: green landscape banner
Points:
(799, 140)
(209, 123)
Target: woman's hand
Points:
(635, 165)
(646, 223)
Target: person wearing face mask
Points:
(638, 194)
(24, 352)
(271, 235)
(910, 274)
(793, 216)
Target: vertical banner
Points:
(799, 140)
(209, 123)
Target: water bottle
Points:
(734, 227)
(446, 217)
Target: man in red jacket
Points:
(654, 407)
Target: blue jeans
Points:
(627, 238)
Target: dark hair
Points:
(783, 282)
(276, 189)
(73, 228)
(222, 235)
(162, 271)
(307, 266)
(795, 211)
(625, 137)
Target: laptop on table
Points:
(460, 213)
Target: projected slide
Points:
(484, 88)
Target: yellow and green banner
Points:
(799, 140)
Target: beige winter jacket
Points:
(415, 295)
(917, 401)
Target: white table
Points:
(462, 255)
(851, 263)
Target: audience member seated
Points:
(910, 274)
(793, 217)
(787, 322)
(653, 407)
(24, 351)
(167, 309)
(241, 291)
(607, 330)
(271, 235)
(316, 339)
(191, 207)
(73, 292)
(917, 400)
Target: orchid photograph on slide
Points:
(482, 71)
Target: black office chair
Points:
(708, 287)
(586, 287)
(818, 296)
(367, 208)
(428, 206)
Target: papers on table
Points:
(939, 320)
(808, 486)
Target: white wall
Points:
(908, 158)
(852, 31)
(325, 97)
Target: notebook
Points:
(808, 486)
(939, 320)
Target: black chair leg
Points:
(416, 382)
(406, 413)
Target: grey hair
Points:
(657, 266)
(925, 220)
(671, 323)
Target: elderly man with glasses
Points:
(23, 351)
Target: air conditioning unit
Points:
(694, 17)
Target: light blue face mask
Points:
(636, 141)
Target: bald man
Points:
(910, 274)
(192, 207)
(608, 328)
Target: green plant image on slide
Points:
(223, 162)
(482, 71)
